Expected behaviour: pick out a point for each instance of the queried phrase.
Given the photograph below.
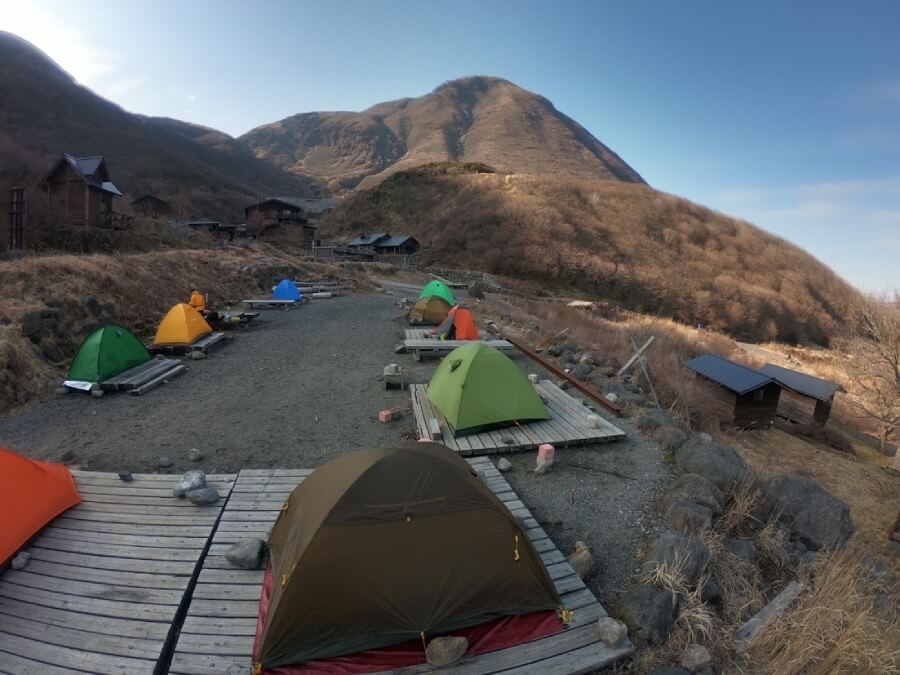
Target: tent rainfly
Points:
(459, 325)
(440, 289)
(182, 326)
(105, 353)
(382, 546)
(286, 290)
(478, 387)
(431, 310)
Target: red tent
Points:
(459, 325)
(32, 494)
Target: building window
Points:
(759, 395)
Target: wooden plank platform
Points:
(106, 578)
(568, 425)
(146, 376)
(269, 304)
(204, 344)
(419, 343)
(221, 621)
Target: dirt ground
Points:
(303, 387)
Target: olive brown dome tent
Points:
(32, 494)
(381, 546)
(105, 353)
(440, 289)
(286, 290)
(430, 310)
(182, 326)
(476, 387)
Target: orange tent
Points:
(181, 326)
(459, 325)
(32, 494)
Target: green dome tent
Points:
(477, 387)
(105, 353)
(440, 289)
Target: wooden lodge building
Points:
(79, 191)
(747, 399)
(383, 243)
(280, 212)
(804, 399)
(151, 206)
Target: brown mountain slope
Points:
(643, 249)
(474, 119)
(44, 112)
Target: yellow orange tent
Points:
(180, 327)
(32, 494)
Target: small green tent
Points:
(105, 353)
(440, 289)
(477, 387)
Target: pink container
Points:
(546, 452)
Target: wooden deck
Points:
(567, 426)
(106, 579)
(221, 620)
(419, 343)
(143, 378)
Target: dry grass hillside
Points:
(44, 112)
(644, 250)
(473, 119)
(75, 294)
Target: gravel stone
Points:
(504, 465)
(195, 455)
(20, 561)
(165, 461)
(247, 554)
(203, 496)
(442, 651)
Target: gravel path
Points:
(303, 387)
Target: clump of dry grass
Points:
(842, 622)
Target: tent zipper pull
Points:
(516, 550)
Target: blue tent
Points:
(286, 290)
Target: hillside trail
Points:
(303, 387)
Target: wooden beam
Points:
(637, 355)
(584, 388)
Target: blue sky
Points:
(786, 114)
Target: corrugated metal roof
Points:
(369, 239)
(86, 166)
(392, 242)
(801, 383)
(733, 376)
(109, 186)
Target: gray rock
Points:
(612, 397)
(555, 350)
(748, 631)
(744, 549)
(669, 670)
(125, 476)
(20, 562)
(581, 371)
(97, 393)
(62, 391)
(165, 461)
(669, 438)
(695, 658)
(67, 456)
(581, 560)
(504, 464)
(203, 496)
(247, 554)
(442, 651)
(672, 548)
(814, 516)
(196, 355)
(704, 437)
(648, 612)
(685, 516)
(719, 463)
(693, 488)
(195, 455)
(191, 480)
(711, 590)
(611, 632)
(654, 419)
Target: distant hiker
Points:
(198, 301)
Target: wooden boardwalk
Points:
(106, 578)
(221, 621)
(143, 378)
(568, 425)
(419, 343)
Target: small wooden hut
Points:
(280, 212)
(747, 399)
(150, 205)
(804, 399)
(79, 191)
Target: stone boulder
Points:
(697, 489)
(191, 480)
(203, 497)
(718, 463)
(683, 550)
(815, 517)
(582, 371)
(654, 418)
(442, 651)
(612, 632)
(686, 516)
(669, 438)
(648, 612)
(247, 554)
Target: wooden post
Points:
(637, 355)
(16, 219)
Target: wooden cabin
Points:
(151, 206)
(280, 212)
(383, 243)
(746, 398)
(79, 191)
(804, 399)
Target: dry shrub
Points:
(842, 622)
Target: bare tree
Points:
(871, 339)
